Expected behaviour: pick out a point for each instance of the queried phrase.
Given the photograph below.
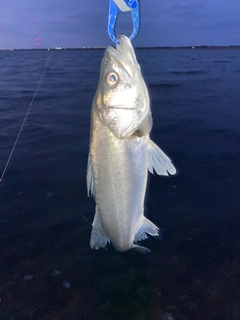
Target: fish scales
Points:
(120, 181)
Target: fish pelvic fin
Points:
(90, 181)
(147, 227)
(159, 161)
(98, 237)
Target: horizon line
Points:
(137, 47)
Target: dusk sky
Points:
(73, 23)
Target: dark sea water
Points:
(46, 216)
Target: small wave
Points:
(163, 85)
(24, 91)
(54, 69)
(188, 72)
(221, 61)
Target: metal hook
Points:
(115, 6)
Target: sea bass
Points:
(121, 152)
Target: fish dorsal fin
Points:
(90, 181)
(147, 227)
(98, 237)
(159, 161)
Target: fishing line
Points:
(25, 118)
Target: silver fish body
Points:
(121, 152)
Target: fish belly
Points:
(120, 177)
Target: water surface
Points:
(45, 215)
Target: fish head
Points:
(122, 98)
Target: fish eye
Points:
(111, 78)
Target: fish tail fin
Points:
(141, 249)
(159, 161)
(147, 227)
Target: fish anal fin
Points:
(159, 161)
(98, 237)
(147, 227)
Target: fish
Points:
(121, 152)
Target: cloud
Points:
(166, 22)
(176, 22)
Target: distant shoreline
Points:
(141, 48)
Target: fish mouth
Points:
(124, 54)
(126, 48)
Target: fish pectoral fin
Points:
(159, 161)
(147, 227)
(98, 237)
(90, 181)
